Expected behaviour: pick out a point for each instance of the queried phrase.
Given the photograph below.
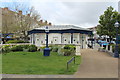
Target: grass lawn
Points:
(36, 63)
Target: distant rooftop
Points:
(62, 27)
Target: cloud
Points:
(84, 14)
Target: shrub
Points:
(69, 47)
(32, 48)
(51, 47)
(25, 46)
(6, 48)
(68, 50)
(17, 48)
(15, 41)
(55, 49)
(42, 48)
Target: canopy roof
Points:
(61, 29)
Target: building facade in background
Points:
(15, 23)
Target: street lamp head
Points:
(46, 29)
(116, 24)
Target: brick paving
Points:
(94, 65)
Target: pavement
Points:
(94, 65)
(97, 65)
(119, 67)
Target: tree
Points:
(118, 18)
(26, 19)
(18, 19)
(107, 21)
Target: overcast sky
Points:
(84, 14)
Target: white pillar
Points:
(77, 50)
(32, 38)
(81, 40)
(107, 47)
(111, 49)
(86, 38)
(84, 41)
(61, 38)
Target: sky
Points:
(80, 13)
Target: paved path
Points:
(97, 65)
(94, 65)
(119, 68)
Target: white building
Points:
(60, 34)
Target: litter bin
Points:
(47, 52)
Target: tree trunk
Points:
(25, 36)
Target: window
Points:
(41, 41)
(65, 39)
(55, 40)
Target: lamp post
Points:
(47, 50)
(116, 53)
(92, 42)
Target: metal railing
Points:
(72, 59)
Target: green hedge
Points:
(6, 48)
(32, 48)
(53, 48)
(15, 41)
(69, 50)
(69, 47)
(17, 48)
(9, 48)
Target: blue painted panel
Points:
(119, 39)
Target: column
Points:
(61, 38)
(82, 42)
(33, 38)
(71, 38)
(77, 50)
